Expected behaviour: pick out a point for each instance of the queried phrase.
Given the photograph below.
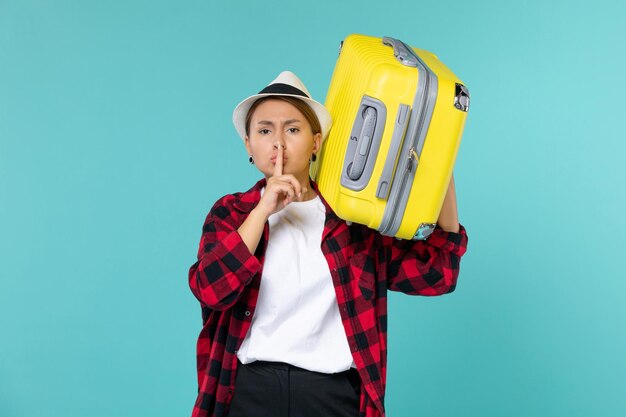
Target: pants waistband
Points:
(283, 366)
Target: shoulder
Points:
(224, 205)
(235, 205)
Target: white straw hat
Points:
(286, 84)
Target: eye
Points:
(293, 130)
(264, 131)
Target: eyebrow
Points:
(287, 122)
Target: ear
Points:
(317, 142)
(247, 143)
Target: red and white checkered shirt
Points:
(363, 263)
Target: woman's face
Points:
(276, 123)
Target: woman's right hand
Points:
(280, 190)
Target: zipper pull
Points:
(412, 155)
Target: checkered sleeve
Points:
(429, 267)
(225, 265)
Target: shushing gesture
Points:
(281, 189)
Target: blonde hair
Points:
(304, 108)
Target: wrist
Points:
(259, 214)
(453, 227)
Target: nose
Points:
(279, 144)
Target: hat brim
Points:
(242, 109)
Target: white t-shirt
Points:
(297, 318)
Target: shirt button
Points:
(247, 313)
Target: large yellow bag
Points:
(398, 116)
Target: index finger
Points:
(278, 167)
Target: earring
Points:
(251, 160)
(313, 158)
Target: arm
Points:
(251, 229)
(225, 265)
(429, 267)
(280, 190)
(449, 216)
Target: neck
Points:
(305, 183)
(309, 195)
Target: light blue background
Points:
(115, 140)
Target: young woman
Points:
(294, 300)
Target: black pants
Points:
(274, 389)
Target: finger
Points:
(283, 181)
(278, 167)
(293, 182)
(282, 189)
(290, 192)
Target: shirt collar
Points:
(331, 218)
(246, 201)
